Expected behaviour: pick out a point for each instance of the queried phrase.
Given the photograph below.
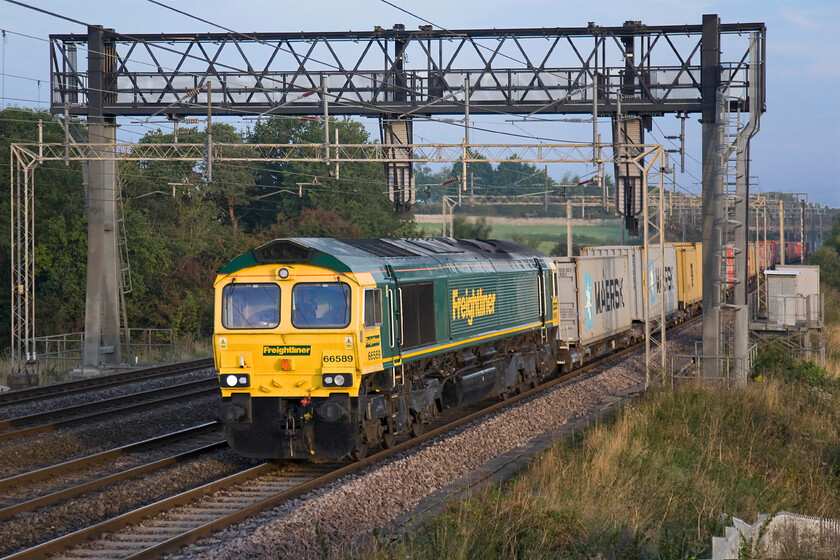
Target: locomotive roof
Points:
(356, 255)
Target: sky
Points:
(796, 150)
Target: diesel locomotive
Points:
(327, 348)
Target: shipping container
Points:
(656, 281)
(593, 297)
(689, 275)
(765, 255)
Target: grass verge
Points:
(658, 479)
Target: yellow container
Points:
(689, 274)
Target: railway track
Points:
(55, 488)
(34, 424)
(199, 512)
(102, 382)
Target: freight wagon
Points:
(594, 295)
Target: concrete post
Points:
(710, 80)
(102, 303)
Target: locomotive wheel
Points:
(389, 439)
(359, 452)
(416, 427)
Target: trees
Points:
(827, 257)
(357, 197)
(60, 229)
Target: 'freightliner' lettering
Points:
(286, 350)
(474, 303)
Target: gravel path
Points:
(336, 517)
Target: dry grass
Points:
(654, 481)
(832, 330)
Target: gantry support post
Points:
(399, 173)
(710, 76)
(742, 213)
(102, 304)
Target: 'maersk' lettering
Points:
(609, 295)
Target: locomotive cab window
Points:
(321, 305)
(373, 307)
(251, 306)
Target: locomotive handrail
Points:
(400, 314)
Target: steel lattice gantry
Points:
(398, 74)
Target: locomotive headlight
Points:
(235, 380)
(338, 380)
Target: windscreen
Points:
(251, 306)
(321, 305)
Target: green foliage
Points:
(828, 259)
(508, 179)
(358, 197)
(775, 360)
(462, 229)
(60, 228)
(530, 240)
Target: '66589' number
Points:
(338, 359)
